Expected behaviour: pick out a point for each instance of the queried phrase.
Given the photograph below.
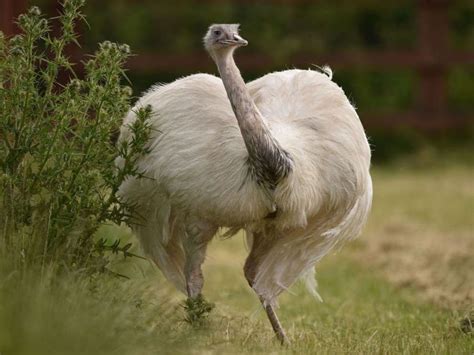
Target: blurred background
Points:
(406, 285)
(408, 65)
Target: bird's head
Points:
(221, 38)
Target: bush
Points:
(57, 174)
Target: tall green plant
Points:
(58, 181)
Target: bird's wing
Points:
(295, 94)
(315, 123)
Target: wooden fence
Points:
(431, 60)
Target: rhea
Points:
(284, 158)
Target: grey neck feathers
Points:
(269, 163)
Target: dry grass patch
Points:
(421, 232)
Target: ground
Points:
(403, 287)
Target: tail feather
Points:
(295, 255)
(160, 237)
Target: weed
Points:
(58, 181)
(197, 310)
(467, 323)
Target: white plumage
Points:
(201, 181)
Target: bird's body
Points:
(206, 174)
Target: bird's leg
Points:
(259, 247)
(198, 235)
(193, 273)
(275, 322)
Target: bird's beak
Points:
(240, 41)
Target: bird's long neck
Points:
(269, 162)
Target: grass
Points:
(421, 232)
(392, 291)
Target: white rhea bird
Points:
(284, 157)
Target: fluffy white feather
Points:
(198, 168)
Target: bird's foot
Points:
(197, 309)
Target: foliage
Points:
(467, 323)
(197, 310)
(57, 175)
(280, 29)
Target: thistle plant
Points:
(58, 181)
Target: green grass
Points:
(365, 309)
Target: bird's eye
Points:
(217, 32)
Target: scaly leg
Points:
(275, 322)
(260, 246)
(198, 235)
